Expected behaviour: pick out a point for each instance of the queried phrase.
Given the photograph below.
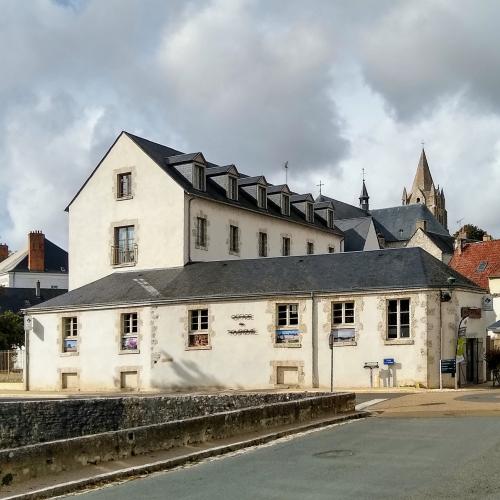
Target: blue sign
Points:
(388, 361)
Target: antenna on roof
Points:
(459, 221)
(286, 172)
(320, 185)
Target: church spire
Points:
(423, 178)
(364, 198)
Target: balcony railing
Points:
(124, 256)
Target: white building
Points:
(148, 206)
(255, 324)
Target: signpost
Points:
(330, 343)
(389, 362)
(371, 365)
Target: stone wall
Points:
(30, 422)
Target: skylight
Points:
(482, 266)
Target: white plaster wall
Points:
(220, 217)
(29, 279)
(421, 240)
(156, 210)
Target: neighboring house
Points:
(16, 299)
(149, 206)
(40, 261)
(257, 323)
(480, 262)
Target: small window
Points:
(199, 177)
(201, 232)
(198, 328)
(343, 313)
(286, 324)
(329, 218)
(310, 212)
(482, 266)
(129, 334)
(262, 244)
(331, 249)
(285, 204)
(232, 188)
(398, 319)
(70, 334)
(310, 248)
(285, 246)
(124, 249)
(261, 196)
(234, 239)
(124, 185)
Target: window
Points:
(234, 243)
(198, 328)
(287, 323)
(331, 249)
(70, 334)
(343, 322)
(262, 244)
(232, 188)
(124, 249)
(285, 204)
(261, 196)
(285, 246)
(129, 334)
(201, 232)
(329, 218)
(482, 266)
(310, 248)
(398, 319)
(199, 177)
(309, 212)
(124, 185)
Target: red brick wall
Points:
(4, 251)
(36, 251)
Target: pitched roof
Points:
(343, 210)
(355, 231)
(56, 260)
(444, 243)
(398, 223)
(15, 299)
(472, 255)
(391, 269)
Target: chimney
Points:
(37, 289)
(4, 251)
(486, 237)
(421, 224)
(36, 251)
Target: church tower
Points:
(423, 191)
(364, 199)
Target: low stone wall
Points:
(29, 422)
(18, 464)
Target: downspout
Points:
(314, 336)
(440, 338)
(189, 230)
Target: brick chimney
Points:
(36, 251)
(4, 251)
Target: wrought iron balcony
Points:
(124, 255)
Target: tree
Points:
(471, 232)
(11, 330)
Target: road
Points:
(413, 458)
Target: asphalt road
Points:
(412, 458)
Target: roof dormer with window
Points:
(280, 195)
(326, 211)
(256, 187)
(227, 178)
(305, 204)
(192, 167)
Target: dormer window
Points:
(329, 218)
(232, 188)
(310, 212)
(124, 188)
(199, 177)
(285, 204)
(261, 197)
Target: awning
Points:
(495, 327)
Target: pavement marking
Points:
(366, 404)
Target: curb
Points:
(163, 465)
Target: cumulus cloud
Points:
(332, 87)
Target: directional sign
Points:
(28, 323)
(388, 361)
(448, 366)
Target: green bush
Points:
(11, 330)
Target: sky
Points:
(333, 87)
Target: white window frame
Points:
(234, 239)
(347, 321)
(261, 197)
(399, 323)
(129, 329)
(120, 192)
(70, 333)
(291, 314)
(199, 322)
(232, 187)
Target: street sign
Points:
(487, 303)
(28, 323)
(448, 366)
(371, 364)
(388, 361)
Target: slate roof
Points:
(444, 243)
(343, 210)
(472, 254)
(56, 260)
(15, 299)
(398, 223)
(355, 231)
(390, 269)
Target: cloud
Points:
(332, 87)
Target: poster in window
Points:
(344, 334)
(129, 343)
(70, 345)
(287, 336)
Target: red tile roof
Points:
(473, 254)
